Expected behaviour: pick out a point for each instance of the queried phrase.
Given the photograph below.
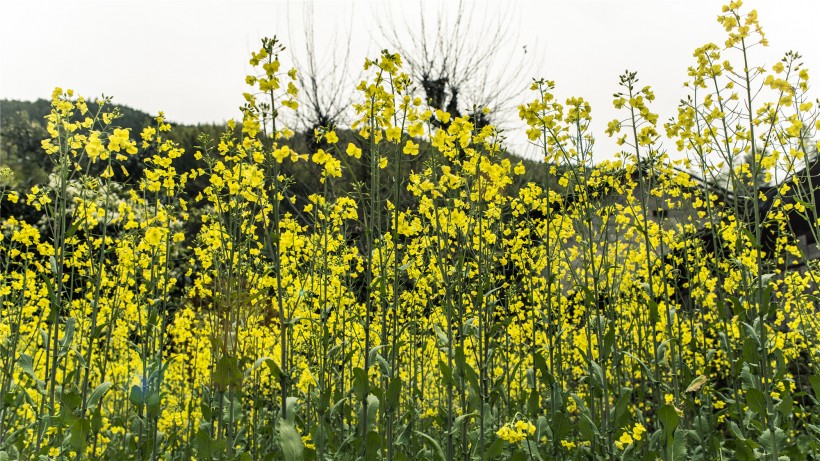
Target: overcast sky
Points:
(189, 58)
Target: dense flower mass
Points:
(457, 305)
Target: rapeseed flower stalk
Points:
(615, 310)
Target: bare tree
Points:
(326, 91)
(462, 61)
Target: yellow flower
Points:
(625, 439)
(568, 444)
(638, 431)
(510, 435)
(353, 151)
(416, 130)
(411, 148)
(282, 153)
(153, 236)
(393, 134)
(331, 137)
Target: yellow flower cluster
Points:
(514, 433)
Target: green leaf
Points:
(206, 447)
(679, 446)
(26, 363)
(598, 376)
(136, 396)
(785, 405)
(736, 431)
(275, 371)
(372, 411)
(70, 325)
(494, 450)
(532, 448)
(361, 385)
(815, 385)
(746, 378)
(669, 417)
(441, 336)
(750, 354)
(756, 401)
(97, 394)
(533, 402)
(609, 342)
(434, 445)
(653, 312)
(393, 393)
(291, 441)
(372, 442)
(587, 428)
(561, 426)
(624, 399)
(769, 439)
(227, 373)
(291, 404)
(540, 365)
(446, 373)
(374, 357)
(152, 403)
(647, 371)
(78, 438)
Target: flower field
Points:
(658, 305)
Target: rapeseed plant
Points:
(619, 310)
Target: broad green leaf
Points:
(679, 446)
(815, 385)
(291, 441)
(136, 395)
(79, 434)
(494, 450)
(70, 325)
(372, 442)
(275, 371)
(97, 394)
(785, 405)
(360, 383)
(372, 411)
(27, 365)
(769, 439)
(393, 393)
(434, 445)
(669, 417)
(561, 426)
(227, 374)
(756, 401)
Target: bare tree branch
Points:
(326, 90)
(462, 62)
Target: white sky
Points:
(189, 58)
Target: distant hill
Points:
(22, 128)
